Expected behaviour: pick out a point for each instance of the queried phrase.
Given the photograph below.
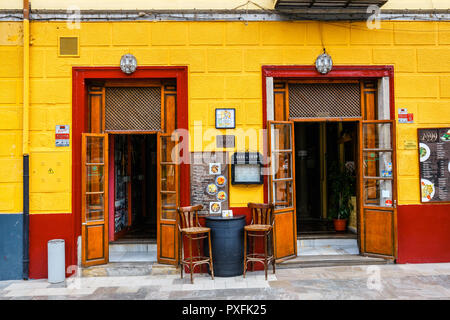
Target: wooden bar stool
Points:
(190, 228)
(261, 226)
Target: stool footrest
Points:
(258, 256)
(196, 260)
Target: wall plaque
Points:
(225, 141)
(410, 144)
(434, 164)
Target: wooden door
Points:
(94, 215)
(378, 189)
(168, 199)
(282, 187)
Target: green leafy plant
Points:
(341, 182)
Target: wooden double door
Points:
(375, 175)
(95, 206)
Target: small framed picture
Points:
(215, 168)
(227, 213)
(226, 118)
(215, 207)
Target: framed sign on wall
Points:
(434, 164)
(225, 118)
(246, 168)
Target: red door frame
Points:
(79, 117)
(310, 72)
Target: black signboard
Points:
(434, 157)
(246, 168)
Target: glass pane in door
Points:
(377, 168)
(95, 178)
(94, 149)
(377, 135)
(168, 149)
(378, 192)
(282, 165)
(169, 214)
(168, 200)
(95, 205)
(282, 191)
(377, 164)
(281, 136)
(168, 177)
(282, 184)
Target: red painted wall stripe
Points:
(423, 233)
(45, 227)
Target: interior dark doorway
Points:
(135, 182)
(321, 148)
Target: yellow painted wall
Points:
(11, 117)
(224, 60)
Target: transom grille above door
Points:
(324, 100)
(133, 109)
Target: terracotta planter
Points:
(340, 224)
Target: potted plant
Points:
(341, 187)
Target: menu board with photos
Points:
(209, 181)
(434, 157)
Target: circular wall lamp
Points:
(128, 63)
(324, 63)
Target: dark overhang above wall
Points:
(327, 4)
(328, 9)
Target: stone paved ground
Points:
(410, 281)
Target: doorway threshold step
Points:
(304, 236)
(123, 269)
(330, 261)
(132, 247)
(133, 256)
(132, 252)
(327, 243)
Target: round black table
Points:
(227, 242)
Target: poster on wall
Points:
(434, 164)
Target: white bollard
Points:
(56, 261)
